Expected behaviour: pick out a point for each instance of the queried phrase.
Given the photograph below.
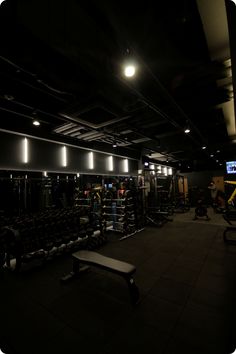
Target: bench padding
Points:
(107, 263)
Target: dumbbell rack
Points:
(118, 215)
(42, 236)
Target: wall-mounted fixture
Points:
(90, 161)
(110, 163)
(25, 151)
(126, 165)
(170, 171)
(64, 156)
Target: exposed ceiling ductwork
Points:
(68, 73)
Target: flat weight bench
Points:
(89, 258)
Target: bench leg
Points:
(133, 289)
(76, 270)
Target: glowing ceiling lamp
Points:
(129, 70)
(36, 123)
(1, 1)
(187, 130)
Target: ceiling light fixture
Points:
(234, 1)
(129, 70)
(114, 145)
(187, 128)
(204, 147)
(1, 1)
(36, 123)
(211, 155)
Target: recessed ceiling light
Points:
(234, 1)
(129, 70)
(187, 131)
(1, 1)
(204, 147)
(211, 155)
(114, 145)
(218, 151)
(36, 123)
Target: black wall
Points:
(47, 156)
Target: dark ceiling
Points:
(61, 63)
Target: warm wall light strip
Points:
(126, 165)
(91, 164)
(25, 151)
(110, 163)
(64, 157)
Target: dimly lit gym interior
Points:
(117, 177)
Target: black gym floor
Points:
(186, 277)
